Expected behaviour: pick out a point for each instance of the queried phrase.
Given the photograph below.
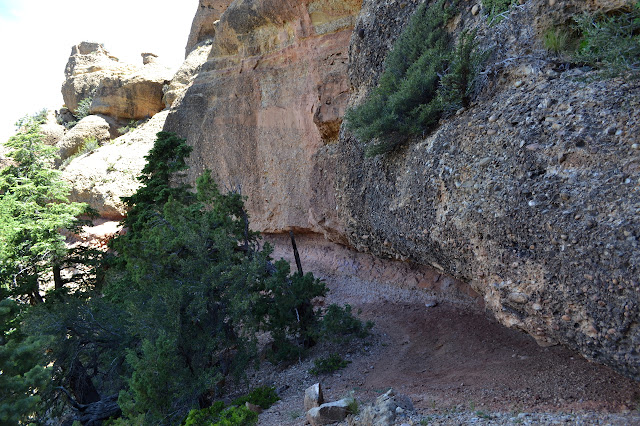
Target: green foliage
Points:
(353, 407)
(164, 161)
(558, 40)
(219, 415)
(237, 413)
(457, 85)
(333, 362)
(285, 310)
(339, 325)
(84, 106)
(33, 209)
(129, 127)
(22, 375)
(264, 397)
(409, 99)
(496, 8)
(196, 288)
(89, 144)
(611, 40)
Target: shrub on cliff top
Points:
(423, 79)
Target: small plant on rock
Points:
(424, 79)
(84, 106)
(611, 40)
(497, 8)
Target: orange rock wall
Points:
(267, 103)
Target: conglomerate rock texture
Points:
(530, 195)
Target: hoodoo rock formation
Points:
(119, 90)
(530, 195)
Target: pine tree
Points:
(33, 209)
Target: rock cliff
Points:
(530, 195)
(268, 100)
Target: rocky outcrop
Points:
(530, 194)
(269, 99)
(118, 90)
(101, 177)
(88, 64)
(187, 73)
(204, 22)
(92, 127)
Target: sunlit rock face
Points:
(267, 103)
(119, 90)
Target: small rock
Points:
(517, 297)
(475, 9)
(491, 132)
(518, 83)
(313, 397)
(635, 146)
(331, 412)
(252, 407)
(493, 119)
(552, 2)
(431, 304)
(484, 161)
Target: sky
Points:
(36, 37)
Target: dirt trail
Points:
(451, 356)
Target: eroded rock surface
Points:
(92, 127)
(267, 101)
(101, 177)
(531, 194)
(203, 26)
(119, 90)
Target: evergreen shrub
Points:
(424, 78)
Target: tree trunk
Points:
(57, 277)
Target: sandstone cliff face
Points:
(531, 194)
(269, 99)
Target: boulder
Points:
(330, 412)
(385, 410)
(91, 127)
(51, 131)
(313, 397)
(132, 96)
